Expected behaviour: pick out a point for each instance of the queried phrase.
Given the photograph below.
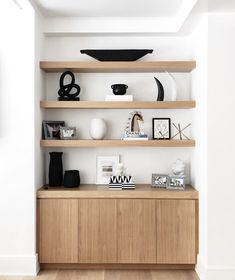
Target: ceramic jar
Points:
(97, 129)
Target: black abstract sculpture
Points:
(65, 90)
(160, 96)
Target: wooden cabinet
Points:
(99, 226)
(176, 231)
(58, 230)
(136, 231)
(97, 231)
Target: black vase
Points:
(71, 179)
(55, 169)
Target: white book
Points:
(135, 138)
(119, 97)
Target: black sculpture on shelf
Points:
(65, 90)
(119, 89)
(55, 169)
(160, 96)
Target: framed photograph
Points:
(51, 129)
(105, 167)
(160, 180)
(68, 133)
(161, 128)
(176, 183)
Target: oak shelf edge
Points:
(97, 191)
(116, 143)
(53, 104)
(113, 66)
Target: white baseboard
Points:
(215, 272)
(201, 269)
(19, 265)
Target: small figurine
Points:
(121, 170)
(133, 122)
(178, 167)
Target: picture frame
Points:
(160, 180)
(51, 129)
(161, 128)
(176, 183)
(68, 133)
(105, 168)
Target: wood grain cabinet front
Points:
(136, 231)
(117, 231)
(58, 230)
(176, 231)
(97, 231)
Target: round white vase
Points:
(173, 87)
(97, 129)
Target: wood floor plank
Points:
(45, 275)
(88, 275)
(109, 275)
(127, 275)
(174, 275)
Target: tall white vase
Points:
(97, 129)
(173, 87)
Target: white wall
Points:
(221, 149)
(17, 195)
(199, 156)
(142, 85)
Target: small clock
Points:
(161, 128)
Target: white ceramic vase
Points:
(97, 129)
(173, 87)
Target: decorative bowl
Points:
(117, 55)
(119, 89)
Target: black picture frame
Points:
(164, 130)
(51, 129)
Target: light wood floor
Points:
(108, 275)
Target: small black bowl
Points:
(119, 89)
(71, 179)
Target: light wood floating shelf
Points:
(124, 67)
(94, 191)
(115, 143)
(49, 104)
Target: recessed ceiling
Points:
(74, 17)
(221, 6)
(109, 8)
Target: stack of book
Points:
(121, 182)
(112, 97)
(134, 136)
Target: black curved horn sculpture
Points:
(160, 96)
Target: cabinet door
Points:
(136, 231)
(97, 237)
(58, 230)
(176, 231)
